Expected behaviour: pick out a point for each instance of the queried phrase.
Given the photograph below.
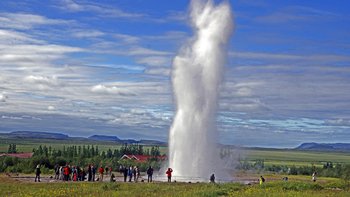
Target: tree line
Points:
(84, 155)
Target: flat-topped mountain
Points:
(60, 136)
(37, 135)
(324, 146)
(105, 138)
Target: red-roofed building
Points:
(142, 158)
(18, 155)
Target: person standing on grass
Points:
(138, 174)
(168, 173)
(89, 172)
(130, 172)
(149, 174)
(106, 170)
(125, 173)
(212, 178)
(37, 173)
(61, 173)
(314, 176)
(134, 171)
(93, 168)
(57, 171)
(101, 171)
(66, 173)
(261, 180)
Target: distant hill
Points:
(38, 135)
(344, 147)
(104, 138)
(60, 136)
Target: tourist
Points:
(138, 174)
(101, 171)
(57, 171)
(61, 173)
(134, 171)
(149, 174)
(66, 173)
(74, 173)
(125, 173)
(168, 172)
(106, 170)
(121, 169)
(37, 173)
(212, 178)
(89, 172)
(93, 169)
(314, 176)
(112, 178)
(130, 171)
(261, 180)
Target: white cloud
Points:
(127, 38)
(158, 71)
(155, 60)
(3, 98)
(43, 82)
(87, 33)
(111, 90)
(51, 108)
(25, 21)
(9, 37)
(32, 55)
(101, 10)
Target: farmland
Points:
(286, 157)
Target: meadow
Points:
(296, 157)
(296, 186)
(286, 157)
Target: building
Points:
(142, 158)
(18, 155)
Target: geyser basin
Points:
(197, 75)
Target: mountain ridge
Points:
(61, 136)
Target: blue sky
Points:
(83, 68)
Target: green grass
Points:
(270, 156)
(297, 158)
(297, 187)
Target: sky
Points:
(104, 67)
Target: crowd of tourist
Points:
(94, 173)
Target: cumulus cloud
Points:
(42, 81)
(51, 108)
(3, 97)
(102, 89)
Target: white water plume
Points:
(196, 77)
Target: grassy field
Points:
(296, 157)
(297, 186)
(270, 156)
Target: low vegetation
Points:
(296, 186)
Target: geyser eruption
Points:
(196, 77)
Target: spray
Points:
(196, 77)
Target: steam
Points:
(196, 77)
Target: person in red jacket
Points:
(66, 172)
(101, 171)
(168, 173)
